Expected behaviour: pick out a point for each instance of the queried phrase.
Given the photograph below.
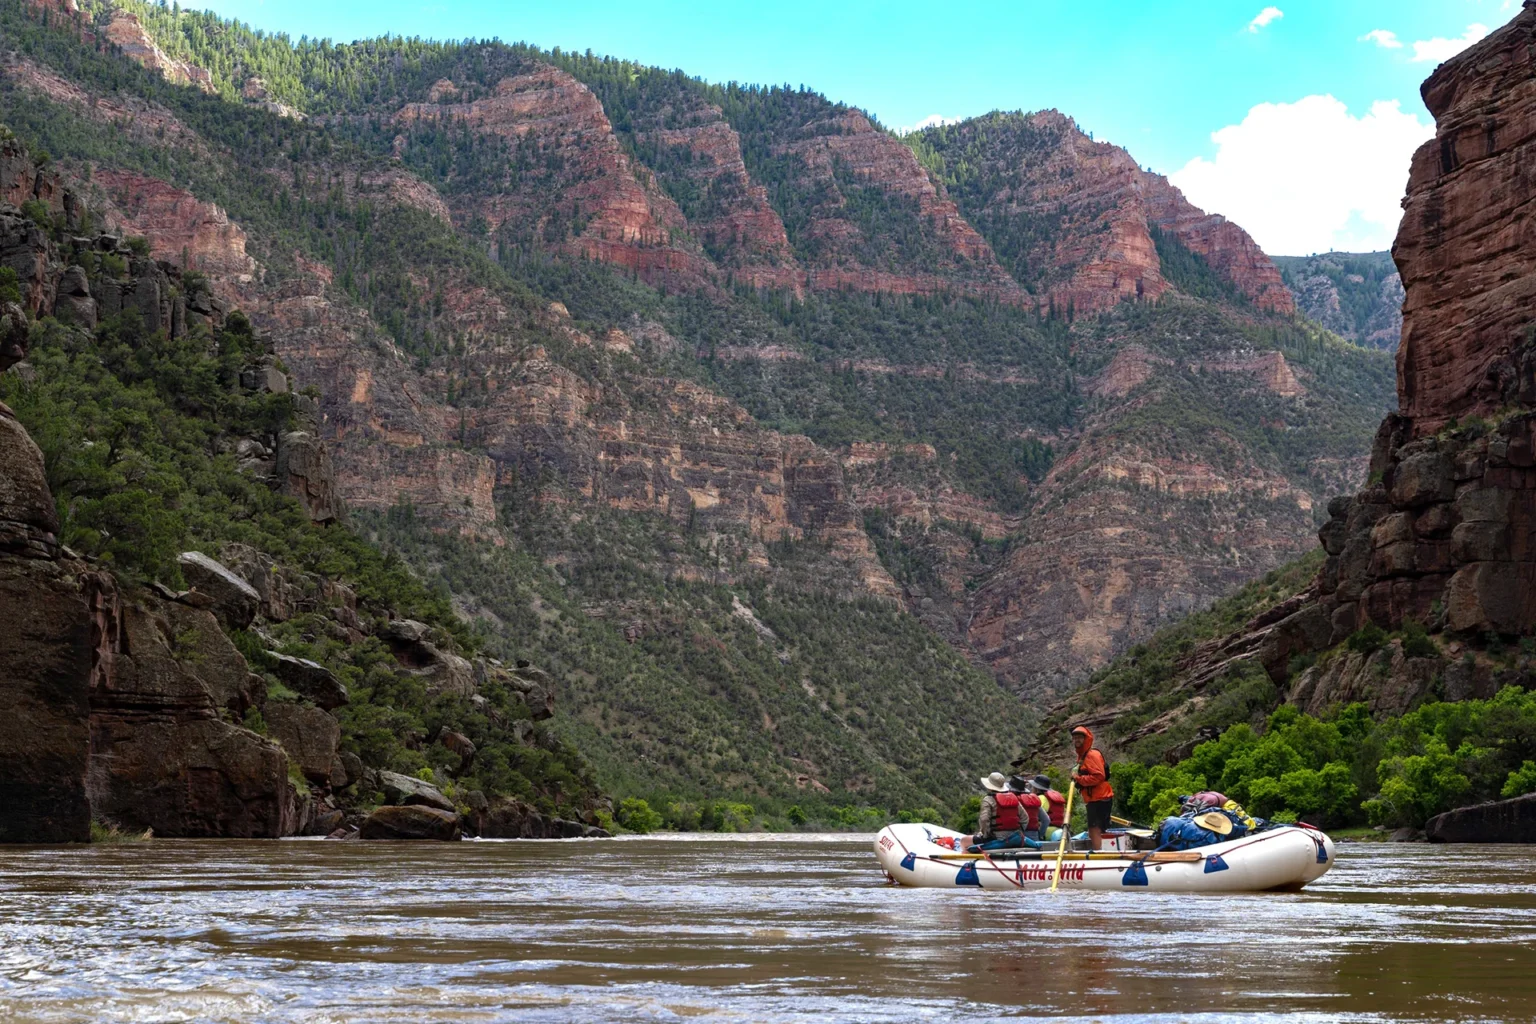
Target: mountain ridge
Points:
(723, 434)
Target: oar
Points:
(1066, 823)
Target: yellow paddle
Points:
(1066, 826)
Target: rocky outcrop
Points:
(1226, 248)
(124, 31)
(587, 194)
(411, 822)
(404, 790)
(1090, 210)
(1468, 345)
(233, 601)
(513, 819)
(309, 736)
(308, 679)
(1501, 821)
(182, 229)
(304, 471)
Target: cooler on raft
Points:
(1277, 858)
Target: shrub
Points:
(1416, 641)
(1521, 781)
(636, 815)
(1367, 640)
(967, 816)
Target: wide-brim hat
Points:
(994, 783)
(1040, 783)
(1215, 821)
(1018, 784)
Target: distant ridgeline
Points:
(768, 435)
(1356, 295)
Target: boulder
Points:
(323, 823)
(1406, 835)
(305, 472)
(308, 734)
(352, 766)
(232, 600)
(74, 304)
(1501, 821)
(411, 822)
(402, 789)
(509, 818)
(309, 679)
(46, 652)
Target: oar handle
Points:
(1066, 827)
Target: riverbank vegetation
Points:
(1346, 769)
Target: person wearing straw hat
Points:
(999, 825)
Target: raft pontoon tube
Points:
(1278, 858)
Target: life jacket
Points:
(1031, 804)
(1057, 814)
(1007, 817)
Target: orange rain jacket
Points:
(1093, 774)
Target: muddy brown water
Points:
(770, 928)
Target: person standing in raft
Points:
(1000, 823)
(1092, 778)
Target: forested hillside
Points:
(772, 435)
(1356, 295)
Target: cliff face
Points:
(1463, 249)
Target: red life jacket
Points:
(1031, 803)
(1007, 817)
(1058, 812)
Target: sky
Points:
(1297, 120)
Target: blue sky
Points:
(1158, 77)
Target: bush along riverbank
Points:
(1344, 769)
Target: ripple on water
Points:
(762, 928)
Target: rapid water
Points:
(759, 929)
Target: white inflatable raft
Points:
(1281, 858)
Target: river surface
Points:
(770, 929)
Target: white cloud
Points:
(1309, 176)
(1438, 49)
(1264, 17)
(1383, 38)
(931, 121)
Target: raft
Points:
(1281, 858)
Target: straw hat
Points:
(1215, 821)
(995, 783)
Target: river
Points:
(759, 928)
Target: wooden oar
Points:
(1149, 857)
(1066, 823)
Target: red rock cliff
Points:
(1467, 246)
